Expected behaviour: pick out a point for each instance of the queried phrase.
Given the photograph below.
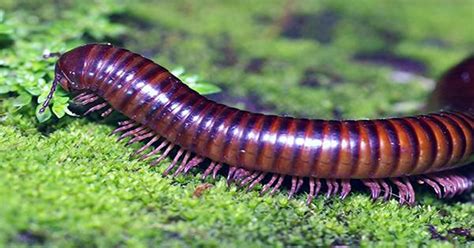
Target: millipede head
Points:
(67, 71)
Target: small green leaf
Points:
(59, 109)
(178, 71)
(44, 94)
(42, 117)
(5, 89)
(60, 99)
(21, 100)
(4, 29)
(33, 89)
(191, 79)
(205, 89)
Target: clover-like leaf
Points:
(59, 109)
(178, 71)
(22, 99)
(205, 88)
(44, 94)
(42, 117)
(5, 89)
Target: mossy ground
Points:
(68, 183)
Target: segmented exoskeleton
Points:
(326, 154)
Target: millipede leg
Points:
(432, 184)
(241, 174)
(130, 133)
(335, 185)
(378, 190)
(461, 184)
(452, 187)
(154, 151)
(329, 186)
(185, 161)
(467, 183)
(230, 174)
(123, 126)
(208, 170)
(443, 182)
(311, 191)
(402, 190)
(250, 178)
(278, 184)
(96, 108)
(216, 170)
(386, 188)
(299, 184)
(79, 96)
(107, 112)
(193, 163)
(174, 162)
(126, 122)
(163, 156)
(140, 136)
(83, 99)
(459, 181)
(267, 186)
(143, 148)
(256, 181)
(373, 186)
(410, 191)
(346, 188)
(294, 181)
(87, 99)
(318, 187)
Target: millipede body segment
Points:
(168, 116)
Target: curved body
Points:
(148, 94)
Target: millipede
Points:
(386, 155)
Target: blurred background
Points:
(302, 58)
(66, 182)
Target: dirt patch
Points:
(30, 238)
(133, 21)
(436, 42)
(227, 54)
(140, 25)
(435, 234)
(457, 231)
(313, 77)
(319, 26)
(389, 37)
(460, 231)
(255, 65)
(385, 58)
(201, 189)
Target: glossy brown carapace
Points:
(326, 154)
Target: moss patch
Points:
(68, 183)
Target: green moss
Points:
(77, 185)
(201, 36)
(68, 183)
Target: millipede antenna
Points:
(50, 96)
(46, 55)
